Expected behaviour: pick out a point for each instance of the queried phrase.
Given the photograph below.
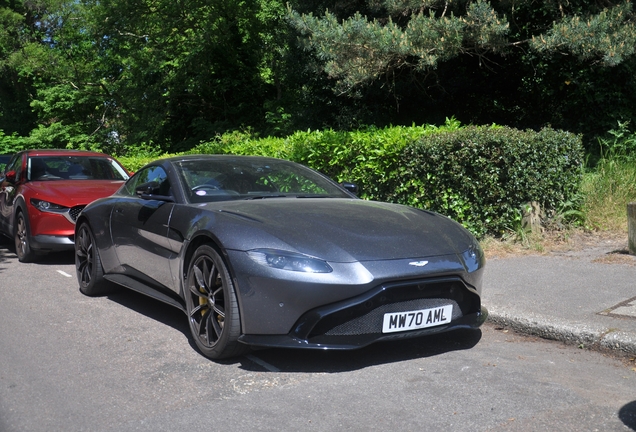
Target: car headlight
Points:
(473, 257)
(47, 206)
(289, 261)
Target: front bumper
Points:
(357, 322)
(52, 243)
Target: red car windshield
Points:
(74, 168)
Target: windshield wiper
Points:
(265, 196)
(290, 195)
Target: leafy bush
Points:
(140, 156)
(12, 143)
(619, 144)
(369, 157)
(480, 176)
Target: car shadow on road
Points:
(153, 309)
(292, 360)
(56, 258)
(7, 252)
(627, 414)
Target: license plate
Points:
(418, 319)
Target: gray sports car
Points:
(265, 252)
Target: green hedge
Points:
(479, 176)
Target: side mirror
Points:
(147, 188)
(351, 187)
(10, 176)
(152, 191)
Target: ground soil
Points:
(603, 247)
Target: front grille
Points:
(363, 315)
(372, 322)
(75, 211)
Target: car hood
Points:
(70, 193)
(343, 230)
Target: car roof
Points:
(60, 152)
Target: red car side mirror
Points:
(10, 176)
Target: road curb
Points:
(581, 334)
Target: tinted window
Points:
(4, 160)
(245, 178)
(154, 175)
(15, 165)
(74, 168)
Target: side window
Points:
(15, 164)
(154, 175)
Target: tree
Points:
(16, 116)
(108, 74)
(521, 63)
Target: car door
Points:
(139, 229)
(8, 193)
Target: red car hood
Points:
(71, 193)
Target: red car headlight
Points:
(47, 206)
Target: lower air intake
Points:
(372, 321)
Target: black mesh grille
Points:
(363, 316)
(75, 211)
(372, 321)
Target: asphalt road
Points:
(126, 363)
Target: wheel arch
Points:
(80, 220)
(19, 206)
(206, 238)
(107, 255)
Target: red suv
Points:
(43, 192)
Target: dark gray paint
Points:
(366, 243)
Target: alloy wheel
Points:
(84, 257)
(208, 299)
(22, 247)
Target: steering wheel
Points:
(204, 187)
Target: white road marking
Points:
(63, 273)
(260, 362)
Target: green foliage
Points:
(358, 49)
(243, 143)
(480, 176)
(619, 143)
(11, 143)
(141, 155)
(609, 35)
(106, 75)
(607, 188)
(15, 113)
(568, 65)
(369, 157)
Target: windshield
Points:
(74, 168)
(253, 178)
(4, 160)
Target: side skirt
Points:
(141, 288)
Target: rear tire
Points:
(88, 265)
(212, 307)
(21, 237)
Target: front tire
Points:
(22, 243)
(212, 307)
(88, 265)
